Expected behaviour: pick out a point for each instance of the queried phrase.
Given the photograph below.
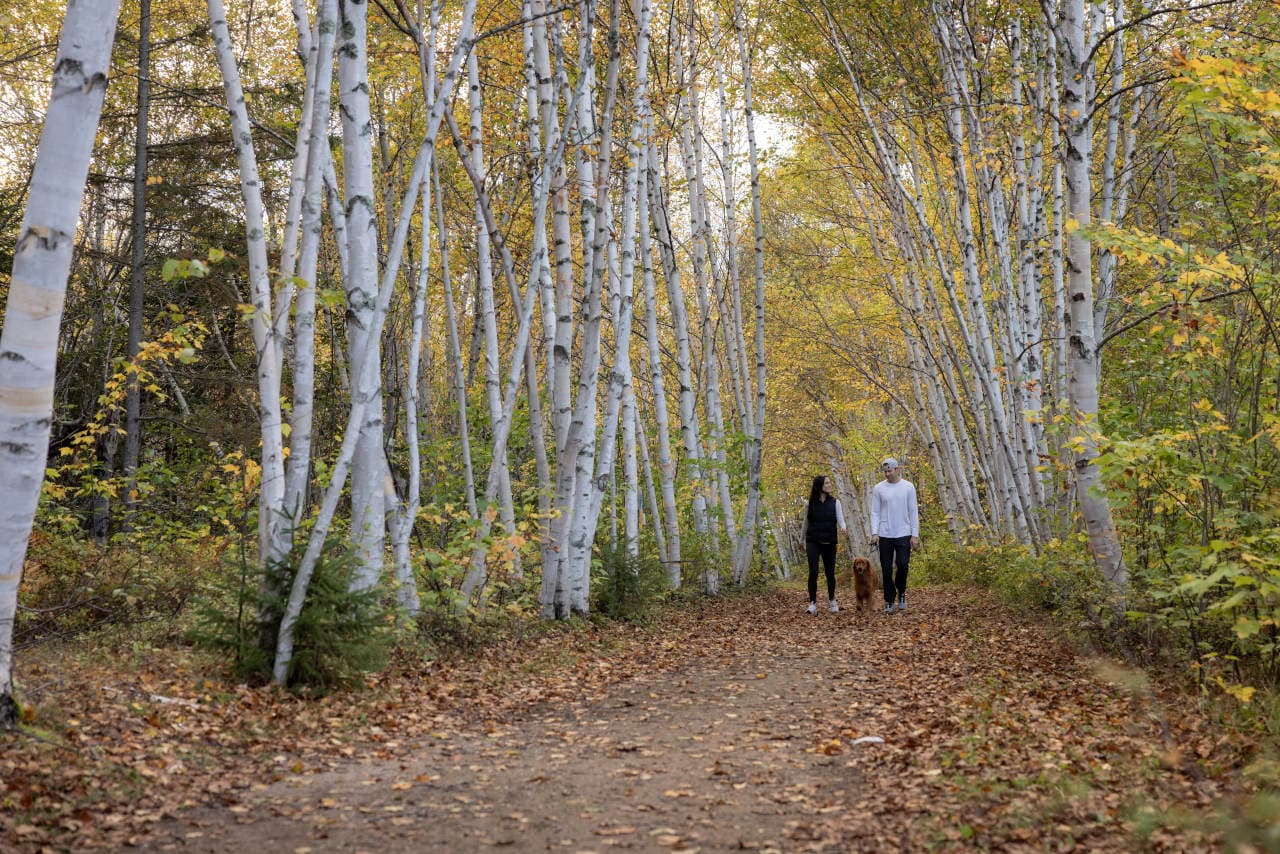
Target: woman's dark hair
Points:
(815, 494)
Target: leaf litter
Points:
(733, 724)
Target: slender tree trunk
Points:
(1075, 40)
(137, 278)
(484, 282)
(266, 344)
(651, 489)
(689, 430)
(33, 311)
(755, 415)
(365, 382)
(455, 350)
(368, 523)
(666, 462)
(298, 466)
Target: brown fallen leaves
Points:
(995, 735)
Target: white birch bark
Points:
(651, 488)
(368, 523)
(630, 469)
(1027, 309)
(1010, 462)
(689, 431)
(271, 519)
(402, 528)
(309, 53)
(623, 313)
(33, 310)
(691, 153)
(458, 381)
(405, 513)
(755, 415)
(477, 574)
(1113, 192)
(666, 463)
(298, 466)
(554, 596)
(484, 283)
(585, 507)
(366, 381)
(1075, 42)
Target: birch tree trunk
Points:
(1075, 43)
(586, 498)
(33, 311)
(458, 381)
(484, 282)
(365, 382)
(689, 430)
(402, 529)
(666, 463)
(756, 415)
(298, 466)
(691, 152)
(271, 519)
(368, 523)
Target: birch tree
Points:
(368, 523)
(1077, 36)
(33, 310)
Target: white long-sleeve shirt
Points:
(893, 510)
(804, 529)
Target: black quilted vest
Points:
(822, 521)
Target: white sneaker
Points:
(888, 609)
(902, 602)
(833, 606)
(813, 608)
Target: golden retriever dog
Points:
(864, 582)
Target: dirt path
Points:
(994, 736)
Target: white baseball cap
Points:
(889, 463)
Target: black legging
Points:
(894, 550)
(828, 552)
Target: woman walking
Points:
(822, 523)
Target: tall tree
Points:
(33, 311)
(1077, 36)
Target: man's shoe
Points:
(833, 606)
(902, 602)
(888, 609)
(813, 608)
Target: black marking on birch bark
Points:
(45, 239)
(16, 449)
(12, 356)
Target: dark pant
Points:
(894, 550)
(828, 553)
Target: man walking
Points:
(895, 528)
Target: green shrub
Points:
(340, 635)
(626, 587)
(703, 554)
(1058, 579)
(70, 587)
